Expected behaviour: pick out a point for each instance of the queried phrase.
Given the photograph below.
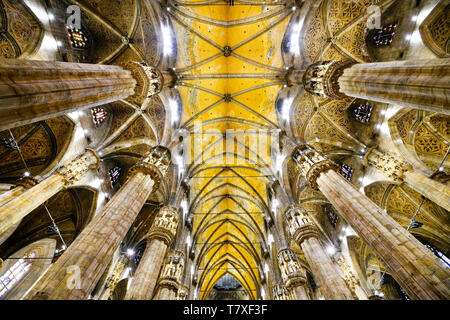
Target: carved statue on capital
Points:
(390, 166)
(311, 164)
(279, 292)
(291, 270)
(150, 80)
(173, 269)
(76, 169)
(155, 163)
(321, 78)
(183, 293)
(349, 276)
(300, 224)
(165, 224)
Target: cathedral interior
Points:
(224, 149)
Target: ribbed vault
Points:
(230, 69)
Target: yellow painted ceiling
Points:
(228, 185)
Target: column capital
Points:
(321, 78)
(279, 292)
(76, 169)
(27, 182)
(183, 292)
(300, 224)
(291, 271)
(155, 163)
(172, 271)
(311, 164)
(150, 80)
(390, 166)
(165, 225)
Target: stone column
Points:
(31, 90)
(421, 274)
(14, 210)
(170, 279)
(22, 185)
(294, 276)
(417, 84)
(114, 278)
(306, 234)
(279, 292)
(349, 277)
(89, 255)
(400, 172)
(160, 236)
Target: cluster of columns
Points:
(421, 274)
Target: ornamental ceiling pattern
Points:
(230, 62)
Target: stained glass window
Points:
(8, 143)
(77, 37)
(98, 115)
(227, 282)
(346, 171)
(331, 214)
(114, 174)
(362, 112)
(15, 273)
(439, 254)
(384, 36)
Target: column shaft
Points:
(92, 250)
(325, 272)
(147, 272)
(15, 209)
(31, 90)
(417, 84)
(417, 270)
(433, 190)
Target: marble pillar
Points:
(32, 90)
(400, 172)
(417, 84)
(293, 275)
(307, 236)
(74, 275)
(15, 209)
(159, 238)
(421, 274)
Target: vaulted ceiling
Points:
(231, 67)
